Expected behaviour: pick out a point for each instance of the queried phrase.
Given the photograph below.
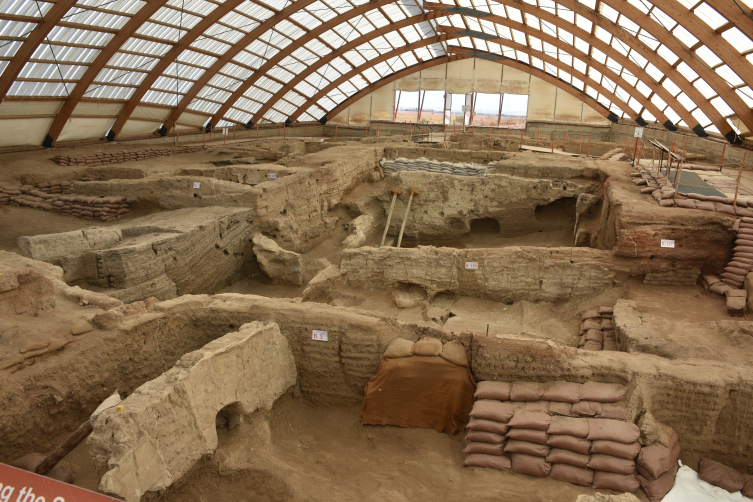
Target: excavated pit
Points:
(550, 238)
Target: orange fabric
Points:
(422, 392)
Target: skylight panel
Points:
(594, 74)
(549, 28)
(498, 10)
(509, 53)
(578, 84)
(611, 86)
(566, 14)
(566, 36)
(746, 94)
(701, 117)
(537, 63)
(643, 88)
(667, 54)
(648, 39)
(704, 88)
(663, 19)
(686, 101)
(654, 72)
(684, 36)
(628, 24)
(738, 40)
(637, 59)
(603, 35)
(609, 12)
(514, 14)
(629, 78)
(658, 101)
(730, 76)
(633, 103)
(579, 65)
(583, 23)
(648, 117)
(581, 45)
(673, 89)
(523, 57)
(519, 37)
(709, 15)
(532, 21)
(599, 56)
(722, 107)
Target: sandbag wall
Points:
(103, 158)
(597, 330)
(660, 189)
(54, 197)
(568, 431)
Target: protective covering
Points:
(422, 392)
(688, 488)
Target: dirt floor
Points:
(304, 452)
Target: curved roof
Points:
(681, 62)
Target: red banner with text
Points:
(17, 485)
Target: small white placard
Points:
(471, 265)
(638, 132)
(466, 108)
(196, 184)
(273, 176)
(224, 131)
(322, 336)
(666, 243)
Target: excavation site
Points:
(301, 252)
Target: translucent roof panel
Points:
(242, 60)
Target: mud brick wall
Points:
(106, 158)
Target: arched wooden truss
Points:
(247, 61)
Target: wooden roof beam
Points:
(331, 56)
(319, 30)
(31, 42)
(115, 43)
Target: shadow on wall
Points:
(559, 214)
(485, 226)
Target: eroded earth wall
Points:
(160, 431)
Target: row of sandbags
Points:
(536, 438)
(725, 477)
(432, 166)
(451, 351)
(42, 191)
(82, 206)
(597, 330)
(103, 158)
(664, 193)
(736, 298)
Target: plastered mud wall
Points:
(135, 453)
(710, 410)
(292, 208)
(446, 204)
(162, 255)
(504, 274)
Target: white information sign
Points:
(322, 336)
(471, 265)
(638, 132)
(466, 108)
(196, 184)
(666, 243)
(224, 131)
(273, 176)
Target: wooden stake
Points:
(721, 164)
(589, 145)
(64, 449)
(739, 175)
(679, 174)
(284, 132)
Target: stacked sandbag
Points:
(725, 477)
(57, 200)
(567, 431)
(105, 158)
(597, 330)
(432, 166)
(451, 351)
(657, 466)
(54, 187)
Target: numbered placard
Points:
(638, 132)
(666, 243)
(272, 176)
(321, 336)
(471, 265)
(196, 184)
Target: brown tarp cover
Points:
(422, 392)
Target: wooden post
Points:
(284, 132)
(537, 137)
(635, 150)
(521, 137)
(653, 156)
(739, 175)
(677, 185)
(224, 135)
(445, 132)
(624, 147)
(685, 148)
(257, 131)
(233, 131)
(721, 164)
(564, 143)
(589, 145)
(64, 449)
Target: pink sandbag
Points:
(613, 430)
(608, 463)
(528, 435)
(720, 475)
(602, 392)
(492, 390)
(484, 448)
(697, 196)
(536, 406)
(561, 456)
(594, 335)
(656, 489)
(492, 410)
(570, 443)
(653, 461)
(613, 481)
(706, 206)
(563, 409)
(537, 450)
(477, 424)
(592, 345)
(588, 314)
(622, 450)
(527, 419)
(586, 409)
(666, 203)
(688, 204)
(501, 463)
(577, 427)
(571, 474)
(610, 410)
(530, 465)
(485, 437)
(527, 391)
